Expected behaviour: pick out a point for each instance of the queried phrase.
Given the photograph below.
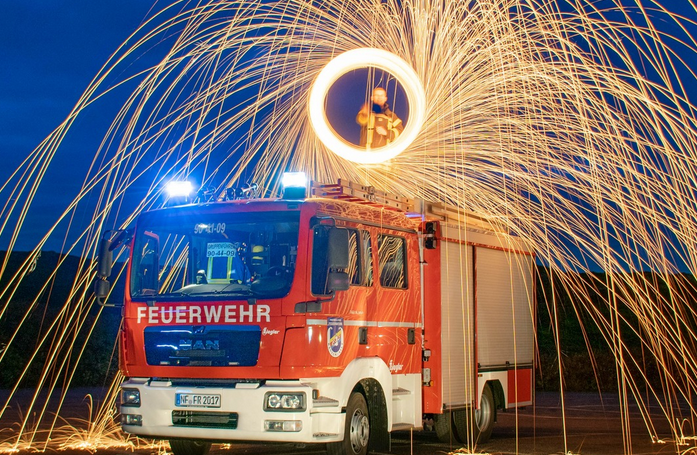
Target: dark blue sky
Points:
(50, 50)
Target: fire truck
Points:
(335, 318)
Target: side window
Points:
(360, 258)
(320, 243)
(392, 261)
(145, 281)
(367, 251)
(354, 268)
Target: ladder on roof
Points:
(361, 194)
(368, 195)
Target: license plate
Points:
(201, 400)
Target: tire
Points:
(356, 429)
(485, 416)
(443, 424)
(186, 447)
(475, 426)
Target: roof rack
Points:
(368, 195)
(361, 194)
(453, 214)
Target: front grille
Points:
(222, 383)
(200, 353)
(206, 419)
(215, 345)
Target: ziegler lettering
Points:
(396, 367)
(187, 314)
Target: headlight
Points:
(130, 397)
(284, 401)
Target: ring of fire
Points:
(367, 58)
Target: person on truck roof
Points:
(379, 125)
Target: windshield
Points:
(184, 255)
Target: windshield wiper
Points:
(195, 293)
(191, 292)
(243, 292)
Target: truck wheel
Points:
(485, 416)
(186, 447)
(482, 420)
(356, 429)
(443, 424)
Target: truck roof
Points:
(403, 214)
(355, 201)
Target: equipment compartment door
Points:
(504, 309)
(457, 321)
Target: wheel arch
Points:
(498, 382)
(360, 370)
(372, 378)
(499, 395)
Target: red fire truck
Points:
(334, 319)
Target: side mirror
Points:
(338, 281)
(338, 249)
(338, 258)
(102, 286)
(105, 259)
(330, 259)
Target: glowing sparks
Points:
(570, 127)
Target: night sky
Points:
(50, 50)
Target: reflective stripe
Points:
(362, 323)
(409, 325)
(316, 321)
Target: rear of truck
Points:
(479, 327)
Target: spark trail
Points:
(569, 124)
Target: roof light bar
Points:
(294, 185)
(179, 188)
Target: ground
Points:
(593, 427)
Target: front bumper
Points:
(322, 419)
